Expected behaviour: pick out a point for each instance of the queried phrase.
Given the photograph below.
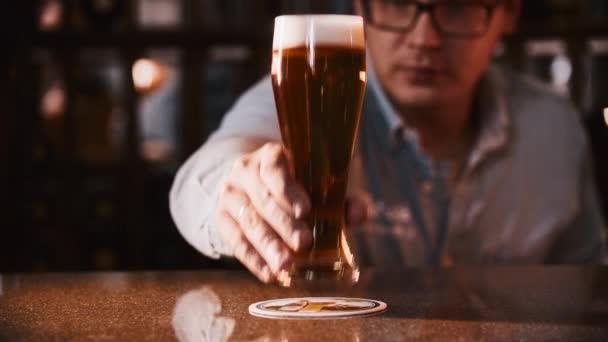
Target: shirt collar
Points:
(393, 121)
(494, 120)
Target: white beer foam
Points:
(328, 29)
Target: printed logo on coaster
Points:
(316, 307)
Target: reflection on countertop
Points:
(196, 317)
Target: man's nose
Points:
(424, 33)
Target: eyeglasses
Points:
(460, 18)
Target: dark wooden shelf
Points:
(141, 39)
(564, 28)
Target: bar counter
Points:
(528, 303)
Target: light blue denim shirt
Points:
(525, 195)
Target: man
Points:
(490, 167)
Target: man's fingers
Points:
(294, 232)
(242, 249)
(261, 236)
(273, 199)
(274, 172)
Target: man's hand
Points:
(260, 212)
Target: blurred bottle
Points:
(157, 78)
(548, 60)
(98, 103)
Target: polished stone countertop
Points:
(459, 304)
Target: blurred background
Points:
(102, 100)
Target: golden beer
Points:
(318, 78)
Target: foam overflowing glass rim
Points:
(318, 29)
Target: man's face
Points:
(424, 67)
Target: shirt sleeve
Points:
(194, 194)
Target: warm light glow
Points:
(363, 76)
(51, 15)
(52, 104)
(275, 68)
(606, 116)
(561, 70)
(147, 75)
(348, 255)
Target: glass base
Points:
(305, 273)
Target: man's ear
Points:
(358, 7)
(512, 14)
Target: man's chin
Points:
(417, 98)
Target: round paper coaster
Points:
(316, 307)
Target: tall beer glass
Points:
(319, 77)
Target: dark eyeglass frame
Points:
(430, 8)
